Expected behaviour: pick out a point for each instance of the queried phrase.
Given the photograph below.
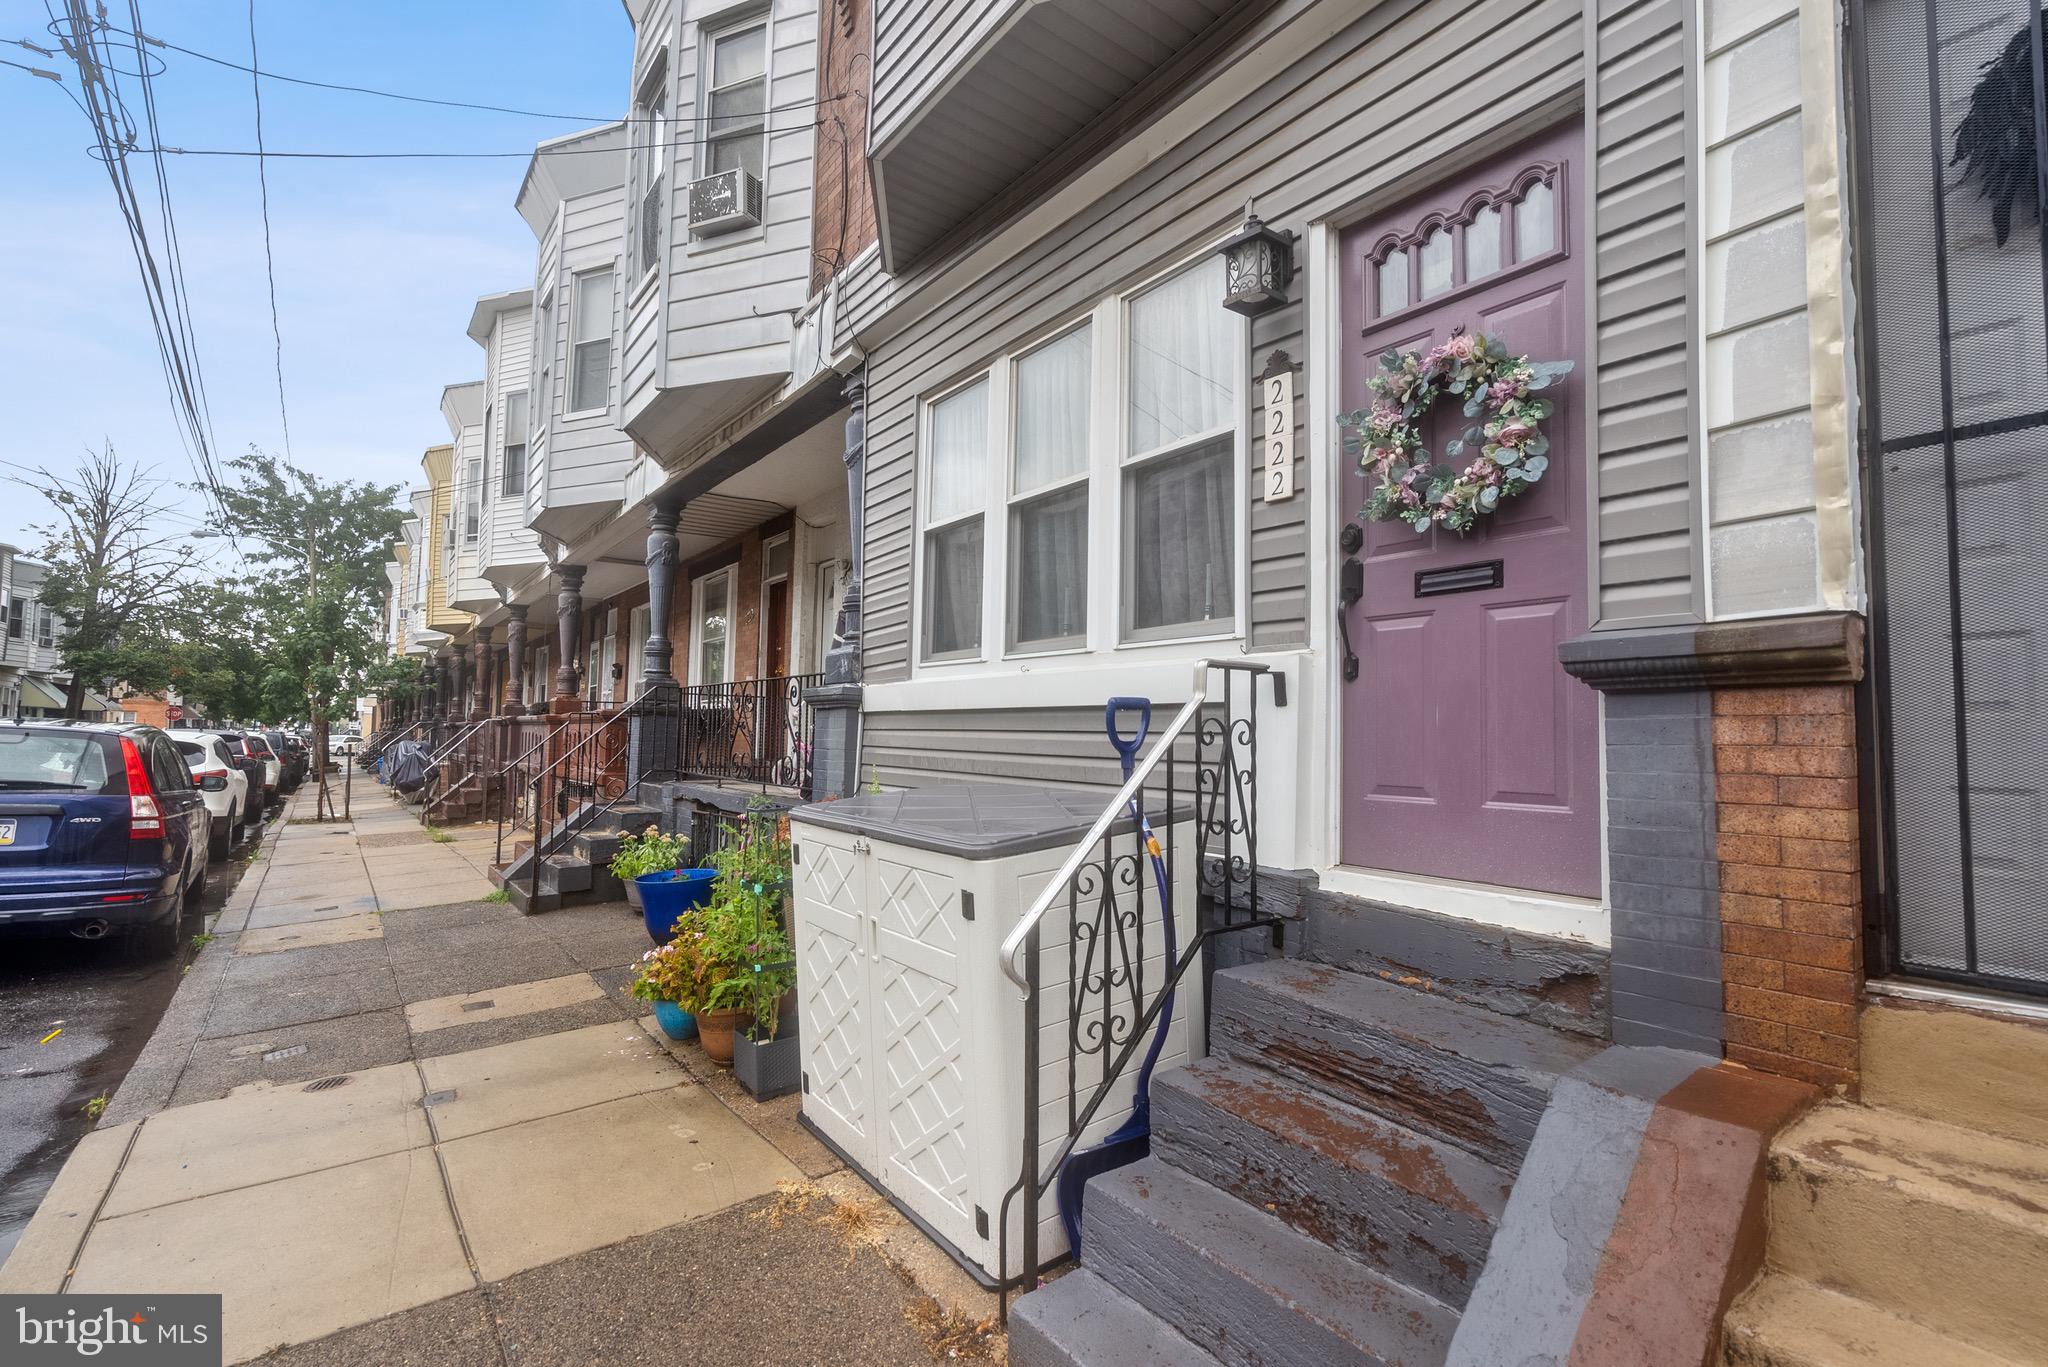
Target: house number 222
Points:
(1277, 425)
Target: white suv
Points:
(222, 784)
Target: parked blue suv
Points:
(101, 830)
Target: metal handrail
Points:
(1119, 807)
(457, 739)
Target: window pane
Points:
(742, 105)
(1183, 359)
(1052, 412)
(1393, 281)
(741, 153)
(712, 629)
(1436, 263)
(739, 56)
(590, 377)
(515, 418)
(952, 589)
(959, 452)
(593, 306)
(1535, 222)
(1179, 556)
(1482, 243)
(775, 559)
(1049, 568)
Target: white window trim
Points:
(1107, 464)
(731, 576)
(611, 338)
(709, 31)
(655, 162)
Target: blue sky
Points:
(378, 262)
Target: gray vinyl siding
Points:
(1059, 747)
(539, 464)
(918, 44)
(510, 357)
(1643, 264)
(1361, 115)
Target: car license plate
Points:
(6, 832)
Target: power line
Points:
(269, 262)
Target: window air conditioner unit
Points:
(721, 203)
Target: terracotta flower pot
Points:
(714, 1032)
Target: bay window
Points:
(1048, 533)
(958, 451)
(1179, 528)
(736, 102)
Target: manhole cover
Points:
(290, 1051)
(478, 1006)
(440, 1098)
(326, 1084)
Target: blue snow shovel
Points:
(1133, 1139)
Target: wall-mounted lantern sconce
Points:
(1258, 265)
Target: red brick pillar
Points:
(1791, 894)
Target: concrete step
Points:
(627, 816)
(548, 900)
(1420, 1210)
(1940, 1224)
(565, 874)
(1082, 1321)
(1976, 1068)
(1458, 1073)
(1238, 1280)
(596, 846)
(1785, 1322)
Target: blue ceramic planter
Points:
(675, 1022)
(665, 896)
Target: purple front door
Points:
(1469, 754)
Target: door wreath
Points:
(1498, 388)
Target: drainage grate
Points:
(327, 1084)
(478, 1006)
(279, 1055)
(335, 907)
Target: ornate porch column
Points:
(458, 691)
(515, 661)
(568, 635)
(835, 704)
(480, 675)
(658, 656)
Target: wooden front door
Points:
(1469, 754)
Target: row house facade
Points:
(33, 681)
(1615, 782)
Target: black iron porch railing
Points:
(1100, 921)
(756, 732)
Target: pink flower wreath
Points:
(1498, 389)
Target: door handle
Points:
(1350, 588)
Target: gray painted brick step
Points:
(565, 874)
(1458, 1073)
(1420, 1210)
(1081, 1321)
(1254, 1291)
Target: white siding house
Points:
(463, 406)
(502, 324)
(718, 261)
(573, 198)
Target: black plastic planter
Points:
(768, 1070)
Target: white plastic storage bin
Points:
(913, 1040)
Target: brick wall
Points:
(1790, 892)
(843, 198)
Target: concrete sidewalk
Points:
(382, 1105)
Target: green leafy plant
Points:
(96, 1107)
(743, 943)
(497, 895)
(201, 940)
(649, 852)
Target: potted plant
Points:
(740, 939)
(667, 977)
(648, 852)
(651, 866)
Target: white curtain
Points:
(959, 453)
(1049, 552)
(953, 588)
(1183, 359)
(1052, 412)
(1180, 565)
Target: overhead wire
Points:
(269, 260)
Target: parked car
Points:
(223, 785)
(252, 744)
(292, 759)
(102, 829)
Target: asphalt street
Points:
(73, 1016)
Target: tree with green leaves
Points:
(314, 586)
(116, 580)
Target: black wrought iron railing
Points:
(756, 732)
(454, 763)
(1097, 932)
